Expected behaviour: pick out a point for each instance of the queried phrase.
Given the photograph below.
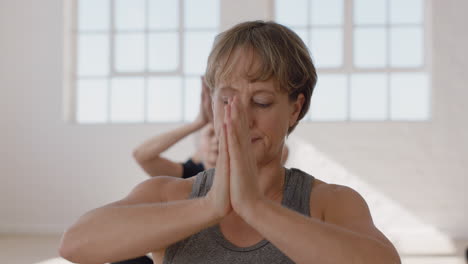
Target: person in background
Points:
(148, 154)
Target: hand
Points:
(205, 113)
(208, 146)
(244, 189)
(219, 194)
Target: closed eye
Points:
(262, 105)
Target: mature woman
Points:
(249, 209)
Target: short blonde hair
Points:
(282, 54)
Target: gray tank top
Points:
(209, 245)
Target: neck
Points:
(271, 179)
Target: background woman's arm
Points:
(148, 154)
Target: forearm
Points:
(309, 240)
(158, 144)
(115, 233)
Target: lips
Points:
(254, 139)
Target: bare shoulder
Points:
(343, 203)
(345, 207)
(333, 200)
(158, 189)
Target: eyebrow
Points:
(256, 91)
(226, 88)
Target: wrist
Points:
(198, 123)
(212, 210)
(250, 208)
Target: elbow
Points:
(142, 157)
(73, 248)
(391, 255)
(68, 247)
(396, 258)
(137, 155)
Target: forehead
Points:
(243, 68)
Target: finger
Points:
(222, 144)
(225, 151)
(213, 147)
(239, 116)
(238, 126)
(223, 147)
(232, 140)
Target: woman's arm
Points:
(152, 217)
(347, 234)
(148, 154)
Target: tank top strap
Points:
(297, 189)
(202, 184)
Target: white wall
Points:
(52, 171)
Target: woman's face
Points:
(268, 110)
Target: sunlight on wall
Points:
(410, 235)
(432, 260)
(55, 261)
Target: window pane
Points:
(327, 47)
(406, 47)
(192, 98)
(406, 11)
(165, 99)
(163, 51)
(410, 96)
(93, 54)
(91, 105)
(368, 97)
(370, 47)
(326, 12)
(130, 52)
(93, 15)
(197, 47)
(163, 14)
(201, 14)
(127, 100)
(291, 12)
(370, 12)
(330, 98)
(130, 14)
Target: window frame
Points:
(71, 76)
(348, 67)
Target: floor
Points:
(42, 249)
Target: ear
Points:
(296, 108)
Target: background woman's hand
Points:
(205, 113)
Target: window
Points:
(371, 57)
(140, 60)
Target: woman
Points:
(148, 154)
(249, 209)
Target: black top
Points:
(191, 168)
